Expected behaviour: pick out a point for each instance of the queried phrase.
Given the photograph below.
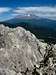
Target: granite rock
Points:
(20, 50)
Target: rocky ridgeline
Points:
(21, 53)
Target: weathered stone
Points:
(19, 50)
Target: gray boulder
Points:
(19, 50)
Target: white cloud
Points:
(4, 9)
(44, 12)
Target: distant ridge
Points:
(43, 28)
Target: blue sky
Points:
(41, 8)
(14, 3)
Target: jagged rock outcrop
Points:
(20, 50)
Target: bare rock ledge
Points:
(20, 50)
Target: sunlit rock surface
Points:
(20, 50)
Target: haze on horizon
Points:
(11, 8)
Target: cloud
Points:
(4, 9)
(31, 12)
(5, 13)
(42, 11)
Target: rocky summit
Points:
(21, 53)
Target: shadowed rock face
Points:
(20, 50)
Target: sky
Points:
(14, 3)
(42, 8)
